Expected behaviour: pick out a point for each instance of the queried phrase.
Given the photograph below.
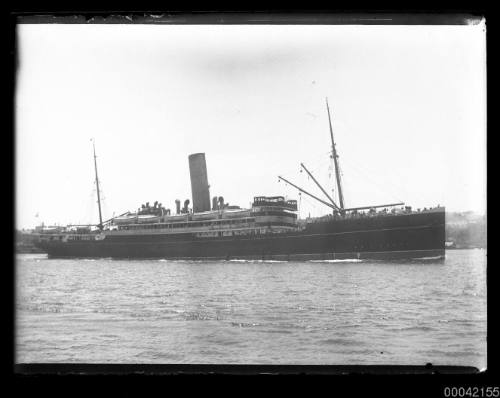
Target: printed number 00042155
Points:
(472, 392)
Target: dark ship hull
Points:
(388, 236)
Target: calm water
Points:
(159, 311)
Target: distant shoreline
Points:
(464, 248)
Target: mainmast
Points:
(335, 160)
(97, 185)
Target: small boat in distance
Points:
(269, 230)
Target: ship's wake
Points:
(346, 260)
(236, 260)
(428, 258)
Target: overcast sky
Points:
(408, 107)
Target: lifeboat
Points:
(206, 215)
(236, 213)
(125, 219)
(175, 218)
(148, 218)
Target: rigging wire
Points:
(382, 188)
(377, 186)
(316, 169)
(90, 213)
(316, 210)
(90, 209)
(308, 162)
(104, 203)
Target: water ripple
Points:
(252, 311)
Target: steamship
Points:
(269, 230)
